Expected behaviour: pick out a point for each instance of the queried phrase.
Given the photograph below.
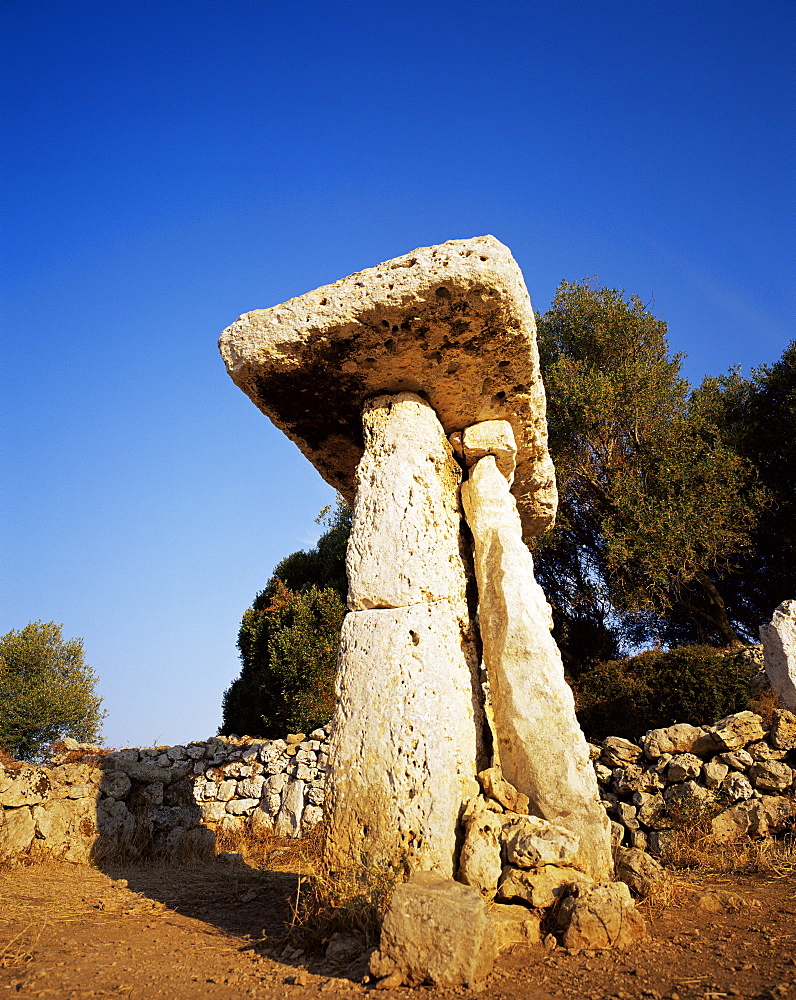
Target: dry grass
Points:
(764, 705)
(22, 947)
(694, 848)
(351, 902)
(264, 851)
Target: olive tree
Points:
(47, 691)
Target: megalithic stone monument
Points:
(369, 376)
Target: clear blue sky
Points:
(169, 165)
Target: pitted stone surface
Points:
(405, 744)
(452, 321)
(541, 746)
(779, 645)
(414, 554)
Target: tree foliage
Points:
(288, 640)
(757, 416)
(324, 565)
(47, 691)
(695, 684)
(655, 507)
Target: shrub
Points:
(288, 643)
(47, 691)
(695, 684)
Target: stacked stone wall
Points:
(88, 803)
(739, 769)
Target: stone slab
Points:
(453, 322)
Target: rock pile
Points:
(738, 763)
(88, 803)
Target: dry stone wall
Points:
(739, 768)
(88, 803)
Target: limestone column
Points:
(542, 748)
(406, 739)
(779, 649)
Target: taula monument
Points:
(414, 389)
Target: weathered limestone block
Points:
(68, 827)
(115, 784)
(640, 872)
(490, 437)
(539, 887)
(405, 744)
(532, 842)
(17, 829)
(115, 822)
(680, 738)
(453, 321)
(496, 787)
(288, 820)
(542, 749)
(602, 916)
(715, 772)
(405, 538)
(783, 730)
(435, 931)
(27, 786)
(755, 817)
(736, 731)
(779, 645)
(403, 763)
(735, 787)
(683, 767)
(515, 924)
(771, 776)
(618, 752)
(480, 863)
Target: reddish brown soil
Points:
(71, 931)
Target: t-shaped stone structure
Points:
(453, 323)
(370, 376)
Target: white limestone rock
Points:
(783, 730)
(600, 916)
(435, 931)
(515, 924)
(480, 862)
(618, 752)
(17, 829)
(539, 887)
(683, 767)
(288, 820)
(779, 646)
(490, 437)
(736, 731)
(541, 746)
(405, 747)
(680, 738)
(532, 842)
(405, 540)
(454, 321)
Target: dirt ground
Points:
(73, 931)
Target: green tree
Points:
(655, 507)
(47, 691)
(757, 417)
(289, 637)
(288, 643)
(324, 565)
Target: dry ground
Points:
(211, 931)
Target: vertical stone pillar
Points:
(542, 748)
(407, 735)
(779, 650)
